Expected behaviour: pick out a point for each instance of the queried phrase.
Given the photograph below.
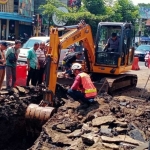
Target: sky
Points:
(135, 2)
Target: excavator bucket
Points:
(35, 111)
(36, 116)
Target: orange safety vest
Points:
(88, 86)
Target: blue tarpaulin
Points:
(15, 16)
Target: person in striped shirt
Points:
(41, 59)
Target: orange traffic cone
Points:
(135, 65)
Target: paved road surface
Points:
(141, 63)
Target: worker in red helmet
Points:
(83, 88)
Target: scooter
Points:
(24, 38)
(147, 56)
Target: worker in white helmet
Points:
(83, 88)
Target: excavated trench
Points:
(16, 132)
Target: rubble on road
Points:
(118, 122)
(121, 122)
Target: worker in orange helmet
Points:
(83, 88)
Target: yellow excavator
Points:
(104, 65)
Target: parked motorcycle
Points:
(23, 38)
(11, 37)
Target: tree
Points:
(125, 11)
(74, 16)
(95, 6)
(109, 3)
(51, 7)
(94, 11)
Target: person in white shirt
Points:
(42, 61)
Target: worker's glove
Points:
(67, 76)
(61, 75)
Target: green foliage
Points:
(95, 6)
(51, 7)
(94, 11)
(124, 10)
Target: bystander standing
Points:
(33, 65)
(41, 60)
(3, 48)
(11, 62)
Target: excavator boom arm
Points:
(80, 32)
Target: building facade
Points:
(16, 18)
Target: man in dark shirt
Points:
(69, 60)
(112, 43)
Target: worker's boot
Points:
(83, 106)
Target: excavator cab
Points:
(120, 55)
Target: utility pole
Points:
(37, 27)
(140, 29)
(49, 24)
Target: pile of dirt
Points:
(118, 122)
(13, 106)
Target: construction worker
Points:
(82, 88)
(69, 60)
(71, 50)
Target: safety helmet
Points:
(76, 66)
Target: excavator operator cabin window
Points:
(105, 32)
(108, 55)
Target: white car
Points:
(22, 58)
(29, 44)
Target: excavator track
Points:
(110, 85)
(121, 82)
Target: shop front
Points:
(12, 25)
(15, 18)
